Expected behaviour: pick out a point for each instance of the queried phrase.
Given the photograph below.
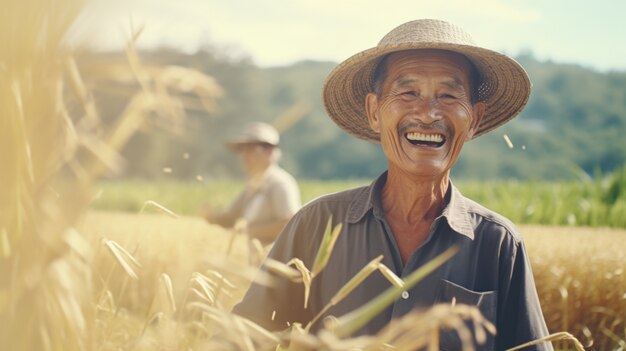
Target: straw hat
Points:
(504, 85)
(255, 132)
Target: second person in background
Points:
(271, 196)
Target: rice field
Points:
(88, 265)
(599, 202)
(579, 274)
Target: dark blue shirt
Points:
(491, 270)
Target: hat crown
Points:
(257, 132)
(504, 85)
(426, 31)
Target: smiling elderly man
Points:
(421, 93)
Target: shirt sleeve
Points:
(276, 307)
(520, 319)
(227, 217)
(285, 198)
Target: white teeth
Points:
(435, 138)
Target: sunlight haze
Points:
(279, 32)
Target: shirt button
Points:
(405, 295)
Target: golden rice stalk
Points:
(222, 282)
(355, 281)
(354, 320)
(206, 285)
(306, 277)
(159, 97)
(613, 336)
(137, 68)
(390, 275)
(169, 290)
(238, 329)
(45, 282)
(5, 246)
(508, 141)
(107, 158)
(291, 116)
(326, 247)
(123, 257)
(255, 250)
(564, 307)
(257, 331)
(413, 331)
(241, 225)
(240, 269)
(159, 207)
(283, 270)
(403, 334)
(198, 306)
(106, 302)
(150, 321)
(433, 344)
(552, 337)
(203, 296)
(222, 279)
(187, 80)
(91, 119)
(299, 339)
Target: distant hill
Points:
(574, 124)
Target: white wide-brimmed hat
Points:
(504, 85)
(253, 133)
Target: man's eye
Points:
(409, 93)
(448, 97)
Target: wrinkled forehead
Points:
(430, 58)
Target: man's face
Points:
(424, 114)
(254, 156)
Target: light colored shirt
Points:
(273, 196)
(491, 269)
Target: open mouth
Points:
(429, 140)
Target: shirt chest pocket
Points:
(486, 302)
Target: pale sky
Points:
(279, 32)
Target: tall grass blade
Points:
(356, 319)
(355, 281)
(552, 337)
(283, 270)
(160, 208)
(169, 290)
(123, 258)
(390, 275)
(306, 277)
(326, 247)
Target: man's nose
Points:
(428, 110)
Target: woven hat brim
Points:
(505, 86)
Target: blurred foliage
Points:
(184, 198)
(571, 127)
(597, 203)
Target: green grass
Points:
(185, 197)
(595, 203)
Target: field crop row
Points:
(595, 203)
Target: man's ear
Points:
(478, 110)
(371, 109)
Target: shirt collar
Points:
(456, 212)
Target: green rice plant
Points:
(350, 323)
(593, 202)
(326, 247)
